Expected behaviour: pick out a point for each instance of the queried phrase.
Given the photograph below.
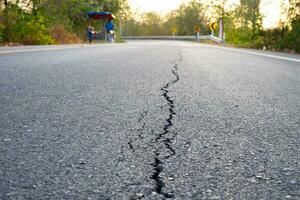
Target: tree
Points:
(252, 14)
(23, 21)
(189, 15)
(294, 9)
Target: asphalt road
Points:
(149, 120)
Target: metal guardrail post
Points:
(197, 36)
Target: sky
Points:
(269, 8)
(161, 6)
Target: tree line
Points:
(65, 21)
(243, 24)
(51, 21)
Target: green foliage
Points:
(184, 19)
(293, 38)
(52, 21)
(281, 38)
(189, 15)
(1, 33)
(150, 25)
(65, 21)
(293, 10)
(32, 30)
(276, 38)
(20, 26)
(243, 25)
(251, 14)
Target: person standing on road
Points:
(110, 27)
(90, 34)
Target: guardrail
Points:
(186, 37)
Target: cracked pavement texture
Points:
(100, 122)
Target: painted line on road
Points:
(57, 48)
(260, 54)
(37, 50)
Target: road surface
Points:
(149, 120)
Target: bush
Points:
(244, 37)
(275, 38)
(23, 27)
(35, 32)
(294, 35)
(62, 36)
(284, 38)
(1, 33)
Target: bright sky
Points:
(161, 6)
(269, 8)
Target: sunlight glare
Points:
(160, 6)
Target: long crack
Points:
(140, 131)
(158, 161)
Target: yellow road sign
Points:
(197, 28)
(213, 26)
(174, 30)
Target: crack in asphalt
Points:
(140, 130)
(167, 142)
(131, 146)
(165, 91)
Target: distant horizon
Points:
(270, 10)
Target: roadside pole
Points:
(221, 29)
(221, 32)
(197, 36)
(174, 31)
(121, 28)
(105, 33)
(197, 30)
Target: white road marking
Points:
(56, 48)
(259, 54)
(37, 50)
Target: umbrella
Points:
(100, 15)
